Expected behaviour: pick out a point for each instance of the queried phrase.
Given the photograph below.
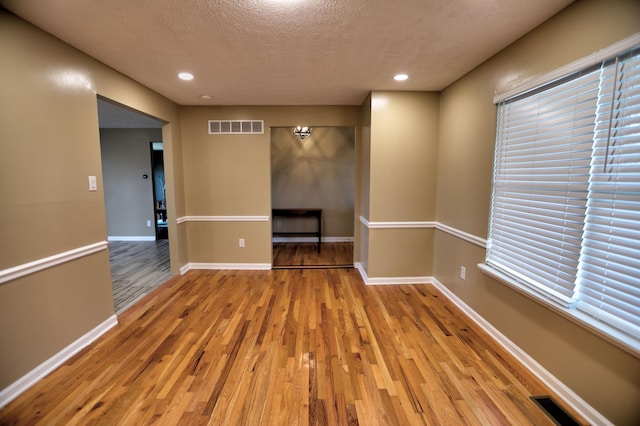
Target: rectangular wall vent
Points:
(236, 127)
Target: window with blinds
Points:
(565, 212)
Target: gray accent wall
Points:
(126, 157)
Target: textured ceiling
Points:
(287, 52)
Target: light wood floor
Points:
(137, 268)
(305, 255)
(285, 347)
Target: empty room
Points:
(456, 185)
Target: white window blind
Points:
(565, 218)
(543, 153)
(609, 273)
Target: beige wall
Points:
(604, 376)
(230, 175)
(404, 142)
(50, 144)
(128, 197)
(363, 185)
(402, 182)
(317, 172)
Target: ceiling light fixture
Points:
(205, 97)
(400, 77)
(302, 131)
(185, 76)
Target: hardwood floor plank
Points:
(137, 268)
(305, 255)
(307, 347)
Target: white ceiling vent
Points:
(236, 127)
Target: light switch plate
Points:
(93, 184)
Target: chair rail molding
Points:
(19, 271)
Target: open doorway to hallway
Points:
(139, 259)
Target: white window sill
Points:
(610, 334)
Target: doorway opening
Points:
(159, 191)
(312, 197)
(139, 260)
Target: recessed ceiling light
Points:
(400, 77)
(185, 76)
(205, 97)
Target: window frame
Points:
(621, 339)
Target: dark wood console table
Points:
(315, 213)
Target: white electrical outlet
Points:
(241, 242)
(463, 272)
(148, 224)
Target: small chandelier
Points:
(302, 131)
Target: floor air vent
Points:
(553, 410)
(236, 127)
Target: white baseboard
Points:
(390, 280)
(25, 382)
(233, 266)
(585, 410)
(312, 239)
(185, 268)
(131, 238)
